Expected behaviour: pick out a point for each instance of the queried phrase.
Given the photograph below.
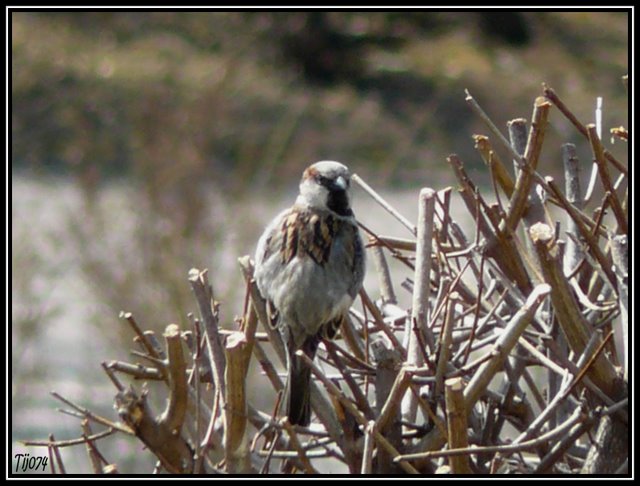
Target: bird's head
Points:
(325, 185)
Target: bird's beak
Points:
(341, 183)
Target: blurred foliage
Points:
(239, 98)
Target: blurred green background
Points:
(147, 143)
(244, 98)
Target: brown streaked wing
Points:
(291, 236)
(319, 237)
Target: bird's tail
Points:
(299, 385)
(299, 392)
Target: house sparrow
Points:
(309, 267)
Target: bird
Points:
(309, 268)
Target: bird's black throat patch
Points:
(338, 202)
